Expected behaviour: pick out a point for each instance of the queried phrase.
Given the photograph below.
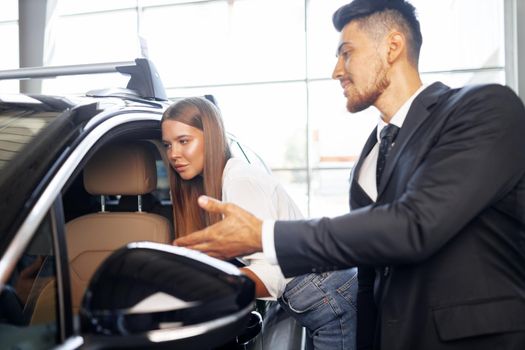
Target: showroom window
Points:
(269, 65)
(9, 35)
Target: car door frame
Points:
(50, 202)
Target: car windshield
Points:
(20, 124)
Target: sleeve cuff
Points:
(270, 275)
(268, 244)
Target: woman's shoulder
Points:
(238, 171)
(238, 167)
(259, 188)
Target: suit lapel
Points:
(370, 143)
(356, 198)
(417, 114)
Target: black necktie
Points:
(388, 135)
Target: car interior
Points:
(112, 201)
(122, 169)
(78, 200)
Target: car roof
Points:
(144, 80)
(27, 118)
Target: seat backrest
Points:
(119, 169)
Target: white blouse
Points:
(262, 195)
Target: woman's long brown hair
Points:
(203, 115)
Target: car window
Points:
(28, 316)
(33, 136)
(163, 186)
(18, 127)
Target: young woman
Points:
(201, 163)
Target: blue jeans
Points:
(325, 304)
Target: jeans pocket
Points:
(298, 283)
(302, 294)
(349, 290)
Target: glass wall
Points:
(9, 35)
(269, 65)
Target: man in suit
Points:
(437, 226)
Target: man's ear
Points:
(396, 46)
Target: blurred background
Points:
(267, 62)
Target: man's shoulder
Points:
(483, 91)
(483, 103)
(481, 95)
(468, 90)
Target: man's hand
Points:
(238, 234)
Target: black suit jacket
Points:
(447, 232)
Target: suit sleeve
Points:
(477, 157)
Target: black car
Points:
(85, 230)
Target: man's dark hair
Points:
(379, 16)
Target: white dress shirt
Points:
(366, 177)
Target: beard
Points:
(358, 101)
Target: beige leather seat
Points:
(44, 310)
(120, 169)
